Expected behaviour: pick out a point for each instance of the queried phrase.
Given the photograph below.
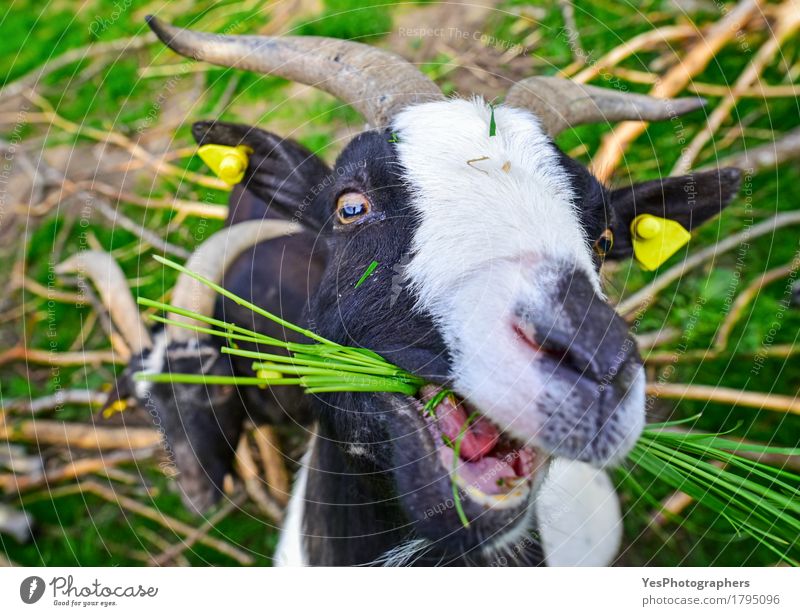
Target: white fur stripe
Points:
(290, 551)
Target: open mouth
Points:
(489, 466)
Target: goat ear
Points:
(280, 172)
(689, 200)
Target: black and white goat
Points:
(498, 234)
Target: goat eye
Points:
(352, 206)
(604, 243)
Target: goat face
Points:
(487, 284)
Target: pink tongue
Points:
(480, 436)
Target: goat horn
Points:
(377, 83)
(101, 268)
(210, 260)
(561, 103)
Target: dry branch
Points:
(676, 79)
(767, 156)
(176, 550)
(176, 526)
(757, 90)
(77, 468)
(188, 208)
(47, 403)
(77, 299)
(79, 435)
(747, 296)
(628, 48)
(115, 217)
(651, 340)
(78, 358)
(129, 478)
(725, 395)
(275, 473)
(670, 357)
(787, 24)
(248, 471)
(161, 543)
(95, 50)
(49, 117)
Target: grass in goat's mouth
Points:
(758, 500)
(487, 462)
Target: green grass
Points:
(115, 96)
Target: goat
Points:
(202, 423)
(503, 236)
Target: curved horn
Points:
(101, 268)
(211, 259)
(377, 83)
(561, 103)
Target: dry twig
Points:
(179, 528)
(671, 357)
(78, 358)
(745, 297)
(767, 156)
(82, 436)
(725, 395)
(176, 550)
(77, 468)
(50, 117)
(757, 90)
(161, 543)
(188, 208)
(787, 24)
(638, 43)
(55, 401)
(676, 79)
(95, 50)
(246, 469)
(275, 473)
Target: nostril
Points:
(554, 344)
(526, 334)
(595, 362)
(571, 353)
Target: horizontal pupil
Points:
(352, 209)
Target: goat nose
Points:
(581, 331)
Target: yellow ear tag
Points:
(118, 406)
(656, 239)
(228, 163)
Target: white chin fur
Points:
(578, 514)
